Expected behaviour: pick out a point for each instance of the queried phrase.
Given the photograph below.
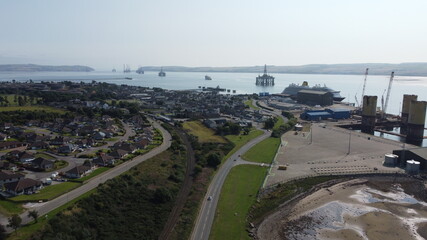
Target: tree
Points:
(214, 160)
(269, 123)
(33, 214)
(14, 221)
(3, 234)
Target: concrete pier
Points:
(369, 113)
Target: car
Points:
(375, 168)
(209, 198)
(235, 160)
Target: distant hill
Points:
(43, 68)
(402, 69)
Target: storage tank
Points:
(406, 106)
(416, 120)
(369, 113)
(412, 167)
(390, 160)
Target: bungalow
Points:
(3, 137)
(118, 154)
(10, 145)
(99, 135)
(68, 148)
(8, 166)
(23, 186)
(104, 160)
(59, 140)
(9, 176)
(39, 145)
(78, 171)
(42, 164)
(26, 157)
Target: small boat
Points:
(161, 73)
(128, 78)
(114, 70)
(207, 77)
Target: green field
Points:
(279, 122)
(249, 103)
(32, 108)
(47, 193)
(237, 196)
(8, 208)
(264, 151)
(204, 134)
(11, 97)
(240, 140)
(45, 156)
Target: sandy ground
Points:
(330, 150)
(371, 209)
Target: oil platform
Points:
(265, 79)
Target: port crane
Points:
(388, 95)
(364, 84)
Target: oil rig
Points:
(265, 79)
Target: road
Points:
(207, 211)
(45, 208)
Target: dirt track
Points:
(184, 191)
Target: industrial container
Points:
(390, 160)
(412, 167)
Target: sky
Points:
(106, 34)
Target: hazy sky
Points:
(106, 34)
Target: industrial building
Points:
(311, 97)
(418, 154)
(333, 113)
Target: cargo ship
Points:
(293, 89)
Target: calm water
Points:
(349, 85)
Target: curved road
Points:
(207, 211)
(45, 208)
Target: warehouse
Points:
(311, 97)
(334, 113)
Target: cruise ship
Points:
(293, 89)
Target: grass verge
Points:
(237, 196)
(47, 193)
(203, 133)
(240, 140)
(7, 208)
(249, 103)
(263, 152)
(33, 108)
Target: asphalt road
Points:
(45, 208)
(207, 211)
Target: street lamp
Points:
(349, 141)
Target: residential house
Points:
(99, 135)
(23, 186)
(118, 154)
(6, 165)
(42, 164)
(68, 148)
(104, 160)
(9, 176)
(3, 137)
(10, 145)
(26, 157)
(39, 145)
(59, 140)
(78, 171)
